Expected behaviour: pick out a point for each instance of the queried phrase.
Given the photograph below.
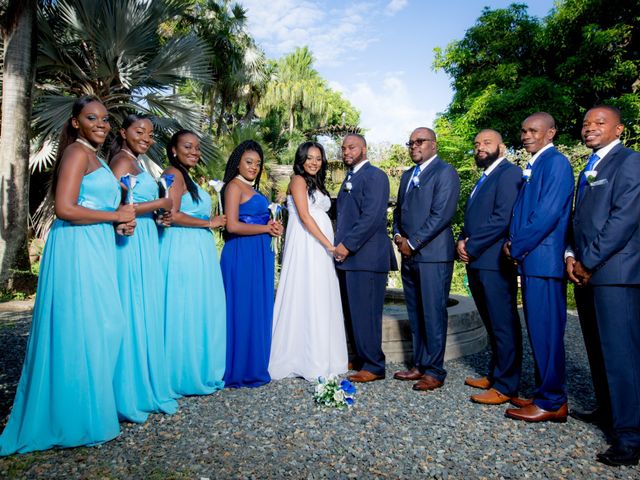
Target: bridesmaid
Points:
(248, 268)
(195, 325)
(65, 397)
(141, 382)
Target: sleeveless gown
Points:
(195, 314)
(309, 339)
(247, 268)
(141, 381)
(65, 396)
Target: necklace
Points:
(244, 180)
(129, 153)
(82, 141)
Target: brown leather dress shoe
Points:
(364, 376)
(490, 397)
(482, 382)
(426, 383)
(521, 402)
(534, 413)
(413, 374)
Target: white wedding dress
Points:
(308, 327)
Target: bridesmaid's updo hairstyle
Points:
(298, 168)
(68, 136)
(231, 171)
(118, 142)
(192, 188)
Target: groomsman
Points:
(538, 239)
(605, 265)
(427, 200)
(364, 256)
(492, 277)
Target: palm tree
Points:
(237, 64)
(298, 87)
(17, 23)
(114, 50)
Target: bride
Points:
(308, 327)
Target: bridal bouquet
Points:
(333, 394)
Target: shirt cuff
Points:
(569, 253)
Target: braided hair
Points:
(233, 163)
(313, 182)
(68, 136)
(192, 188)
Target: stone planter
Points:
(465, 335)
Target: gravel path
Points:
(277, 431)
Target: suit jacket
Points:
(540, 221)
(487, 216)
(362, 222)
(606, 232)
(423, 214)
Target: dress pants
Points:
(362, 296)
(617, 318)
(426, 290)
(494, 293)
(591, 335)
(545, 311)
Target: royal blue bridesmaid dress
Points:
(141, 380)
(65, 396)
(195, 314)
(247, 264)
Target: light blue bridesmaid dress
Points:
(65, 397)
(195, 312)
(141, 379)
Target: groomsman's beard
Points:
(485, 162)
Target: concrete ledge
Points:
(465, 335)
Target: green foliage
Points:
(298, 100)
(115, 51)
(238, 68)
(509, 65)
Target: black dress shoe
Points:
(596, 417)
(618, 455)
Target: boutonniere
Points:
(347, 187)
(416, 181)
(526, 174)
(591, 176)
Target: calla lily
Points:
(129, 181)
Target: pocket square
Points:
(599, 182)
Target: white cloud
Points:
(388, 112)
(331, 33)
(395, 6)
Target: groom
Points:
(363, 256)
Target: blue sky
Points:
(378, 53)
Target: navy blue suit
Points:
(423, 215)
(538, 235)
(606, 239)
(362, 229)
(492, 278)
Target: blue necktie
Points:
(478, 183)
(583, 178)
(416, 174)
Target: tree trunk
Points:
(223, 107)
(17, 81)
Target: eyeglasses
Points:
(418, 142)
